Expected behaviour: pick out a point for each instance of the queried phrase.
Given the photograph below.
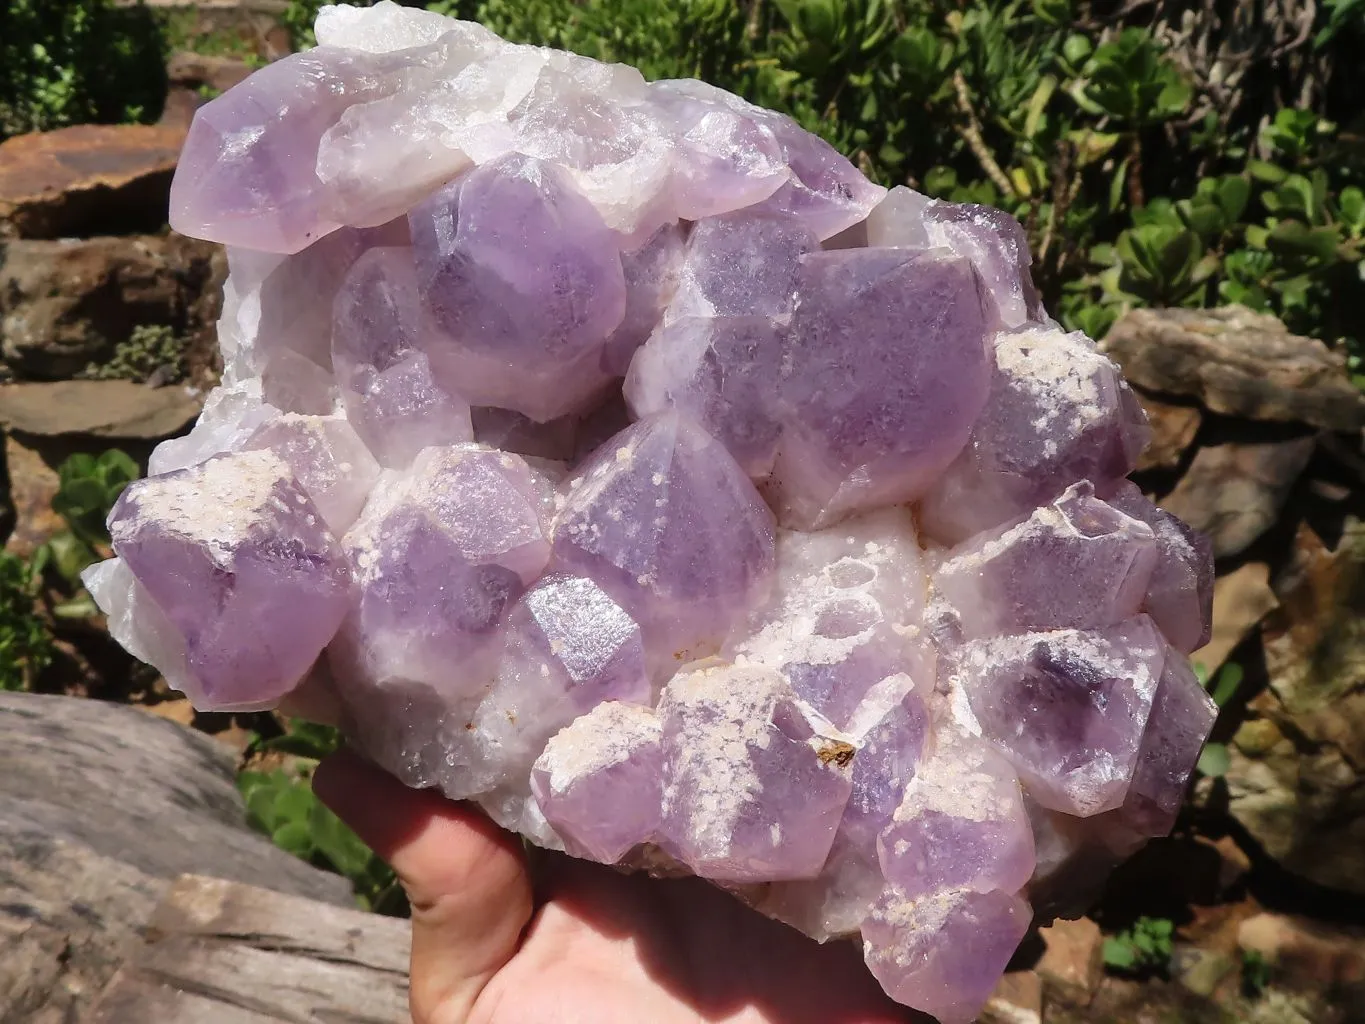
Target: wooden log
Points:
(138, 789)
(220, 952)
(101, 808)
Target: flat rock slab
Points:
(1234, 492)
(101, 808)
(1239, 363)
(88, 180)
(1241, 599)
(224, 953)
(1173, 430)
(97, 408)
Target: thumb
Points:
(465, 878)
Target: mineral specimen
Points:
(621, 459)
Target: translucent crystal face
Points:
(631, 465)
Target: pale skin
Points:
(499, 940)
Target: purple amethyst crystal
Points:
(255, 590)
(666, 522)
(630, 465)
(524, 278)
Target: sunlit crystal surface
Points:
(622, 460)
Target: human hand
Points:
(580, 943)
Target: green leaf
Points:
(940, 181)
(294, 837)
(1351, 203)
(1116, 186)
(260, 807)
(1233, 193)
(294, 802)
(1292, 237)
(1077, 49)
(1226, 684)
(1214, 761)
(1092, 146)
(1267, 172)
(1205, 220)
(339, 844)
(1119, 954)
(1047, 85)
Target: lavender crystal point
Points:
(666, 522)
(256, 587)
(630, 465)
(525, 278)
(610, 757)
(380, 341)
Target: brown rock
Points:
(1234, 492)
(64, 304)
(1073, 965)
(97, 408)
(1241, 600)
(196, 70)
(1304, 805)
(1173, 430)
(87, 180)
(1315, 643)
(1018, 999)
(1233, 863)
(194, 80)
(1201, 971)
(1296, 780)
(1304, 953)
(1239, 363)
(33, 482)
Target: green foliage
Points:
(25, 642)
(1143, 948)
(1256, 973)
(88, 487)
(1214, 759)
(281, 804)
(184, 29)
(73, 61)
(300, 739)
(1226, 683)
(151, 349)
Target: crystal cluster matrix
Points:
(615, 455)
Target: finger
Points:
(465, 877)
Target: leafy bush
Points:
(88, 487)
(151, 350)
(73, 61)
(281, 804)
(1144, 948)
(25, 641)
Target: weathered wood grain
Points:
(136, 789)
(101, 808)
(224, 953)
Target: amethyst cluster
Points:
(615, 455)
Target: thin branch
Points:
(971, 132)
